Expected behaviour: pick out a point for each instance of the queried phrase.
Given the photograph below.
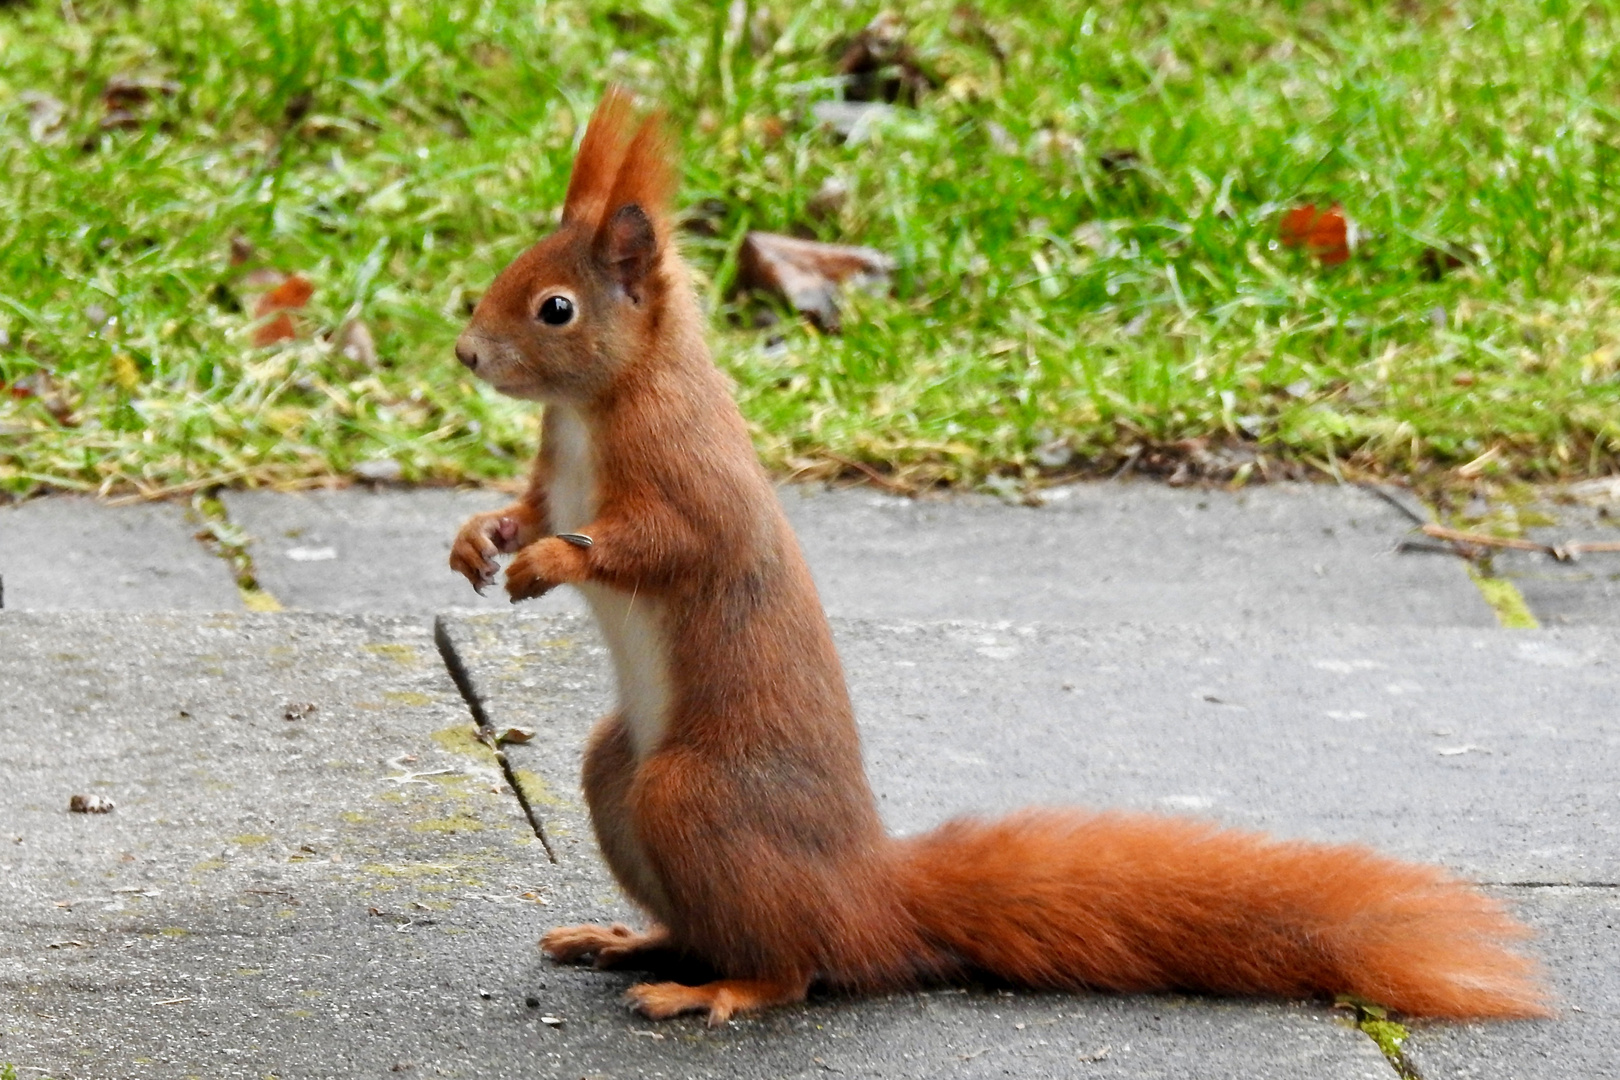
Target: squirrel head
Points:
(573, 312)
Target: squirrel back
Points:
(726, 789)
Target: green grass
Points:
(398, 154)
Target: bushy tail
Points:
(1063, 899)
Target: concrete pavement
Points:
(353, 890)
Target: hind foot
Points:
(721, 1000)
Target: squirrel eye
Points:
(556, 310)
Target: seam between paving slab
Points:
(462, 677)
(1551, 884)
(226, 540)
(1373, 1024)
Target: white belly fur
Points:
(632, 624)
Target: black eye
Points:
(556, 310)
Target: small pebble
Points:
(90, 804)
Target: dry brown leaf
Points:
(829, 198)
(878, 65)
(1436, 262)
(46, 115)
(354, 340)
(809, 274)
(129, 93)
(127, 98)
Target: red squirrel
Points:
(726, 790)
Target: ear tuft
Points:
(620, 189)
(629, 248)
(646, 173)
(601, 153)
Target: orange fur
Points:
(597, 164)
(727, 791)
(1065, 899)
(646, 176)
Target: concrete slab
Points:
(343, 895)
(362, 550)
(69, 552)
(1579, 935)
(1104, 553)
(1491, 751)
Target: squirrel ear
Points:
(629, 249)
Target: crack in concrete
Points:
(226, 540)
(1389, 1037)
(463, 679)
(1551, 884)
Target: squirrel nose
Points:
(466, 354)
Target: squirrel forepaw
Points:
(573, 944)
(481, 539)
(542, 566)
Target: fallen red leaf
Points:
(1324, 233)
(280, 328)
(290, 295)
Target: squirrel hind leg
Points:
(604, 946)
(721, 999)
